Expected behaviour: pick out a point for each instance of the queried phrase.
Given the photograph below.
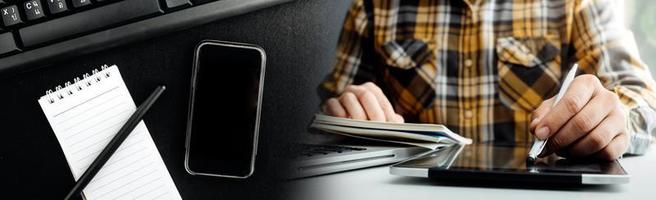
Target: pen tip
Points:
(530, 160)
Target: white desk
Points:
(377, 184)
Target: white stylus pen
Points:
(538, 145)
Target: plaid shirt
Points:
(482, 66)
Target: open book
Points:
(424, 135)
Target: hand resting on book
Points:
(363, 102)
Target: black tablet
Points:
(486, 162)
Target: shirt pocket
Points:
(405, 53)
(528, 70)
(408, 73)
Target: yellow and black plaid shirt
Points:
(481, 66)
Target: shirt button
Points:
(469, 113)
(468, 63)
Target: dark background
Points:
(299, 39)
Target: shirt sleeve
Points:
(602, 46)
(354, 42)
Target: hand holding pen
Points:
(583, 120)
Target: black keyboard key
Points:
(81, 3)
(33, 10)
(57, 6)
(177, 3)
(86, 21)
(7, 43)
(10, 15)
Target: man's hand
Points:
(588, 121)
(363, 102)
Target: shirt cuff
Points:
(640, 127)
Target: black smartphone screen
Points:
(223, 122)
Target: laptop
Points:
(331, 156)
(498, 163)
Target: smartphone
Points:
(224, 109)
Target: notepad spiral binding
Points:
(78, 84)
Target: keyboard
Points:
(34, 32)
(300, 150)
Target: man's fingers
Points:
(615, 149)
(600, 137)
(384, 103)
(368, 102)
(583, 122)
(334, 108)
(398, 119)
(538, 113)
(352, 105)
(372, 107)
(583, 88)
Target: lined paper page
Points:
(84, 121)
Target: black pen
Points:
(118, 139)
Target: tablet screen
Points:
(506, 159)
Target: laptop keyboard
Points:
(310, 150)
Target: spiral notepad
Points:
(85, 114)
